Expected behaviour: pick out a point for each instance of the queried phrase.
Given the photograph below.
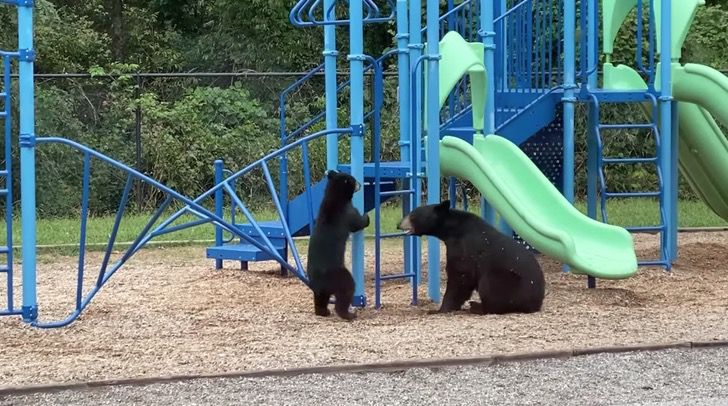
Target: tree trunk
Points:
(116, 19)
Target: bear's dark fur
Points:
(506, 275)
(337, 218)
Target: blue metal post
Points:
(569, 98)
(592, 167)
(666, 153)
(330, 54)
(356, 58)
(486, 28)
(218, 165)
(7, 89)
(487, 34)
(674, 162)
(405, 152)
(433, 141)
(27, 159)
(415, 47)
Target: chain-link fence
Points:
(173, 126)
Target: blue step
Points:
(4, 249)
(4, 269)
(245, 251)
(271, 229)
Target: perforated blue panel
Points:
(545, 148)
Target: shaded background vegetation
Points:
(188, 122)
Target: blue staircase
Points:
(298, 221)
(6, 189)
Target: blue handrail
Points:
(373, 14)
(191, 206)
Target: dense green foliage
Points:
(186, 123)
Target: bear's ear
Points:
(444, 206)
(331, 173)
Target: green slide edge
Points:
(701, 92)
(536, 210)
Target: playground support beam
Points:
(415, 50)
(487, 16)
(592, 159)
(330, 53)
(403, 66)
(356, 62)
(668, 159)
(569, 99)
(487, 34)
(433, 142)
(27, 159)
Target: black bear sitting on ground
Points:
(506, 275)
(327, 273)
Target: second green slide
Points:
(701, 92)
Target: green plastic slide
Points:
(701, 92)
(536, 210)
(517, 189)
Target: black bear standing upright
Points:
(506, 275)
(337, 218)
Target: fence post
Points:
(138, 138)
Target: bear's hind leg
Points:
(344, 293)
(321, 303)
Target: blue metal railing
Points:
(462, 18)
(6, 190)
(531, 35)
(193, 207)
(309, 8)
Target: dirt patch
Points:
(169, 312)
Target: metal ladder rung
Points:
(393, 235)
(645, 228)
(3, 173)
(4, 249)
(628, 160)
(4, 269)
(397, 192)
(398, 276)
(632, 194)
(652, 262)
(3, 192)
(645, 126)
(3, 114)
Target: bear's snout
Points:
(405, 225)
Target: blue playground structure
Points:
(507, 75)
